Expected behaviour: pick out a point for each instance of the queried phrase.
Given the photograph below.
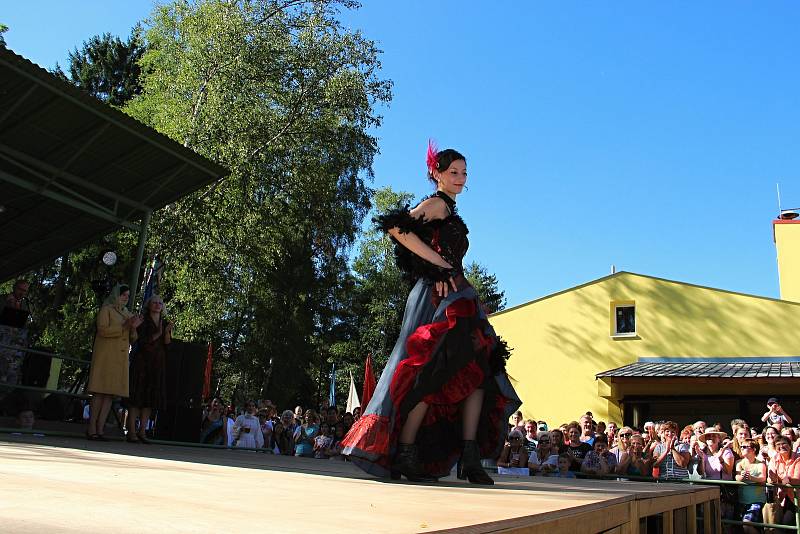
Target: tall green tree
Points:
(3, 29)
(285, 97)
(107, 67)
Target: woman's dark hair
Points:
(443, 160)
(123, 289)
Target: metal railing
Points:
(720, 484)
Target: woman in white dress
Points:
(247, 429)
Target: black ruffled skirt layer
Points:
(446, 350)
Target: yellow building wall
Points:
(787, 243)
(562, 341)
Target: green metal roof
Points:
(73, 168)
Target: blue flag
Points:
(332, 390)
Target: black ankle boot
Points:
(469, 466)
(406, 464)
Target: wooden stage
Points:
(68, 485)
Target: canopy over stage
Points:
(73, 168)
(67, 485)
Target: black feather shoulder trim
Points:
(401, 219)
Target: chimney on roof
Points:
(786, 232)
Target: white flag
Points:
(352, 397)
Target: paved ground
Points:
(66, 485)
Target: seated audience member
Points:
(751, 498)
(213, 429)
(632, 461)
(305, 434)
(298, 416)
(775, 416)
(564, 464)
(587, 430)
(531, 434)
(247, 429)
(599, 461)
(611, 433)
(670, 457)
(323, 442)
(575, 447)
(514, 453)
(357, 413)
(784, 468)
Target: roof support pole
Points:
(137, 263)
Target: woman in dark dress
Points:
(147, 386)
(444, 396)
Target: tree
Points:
(3, 29)
(107, 67)
(284, 96)
(487, 287)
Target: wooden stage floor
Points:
(67, 485)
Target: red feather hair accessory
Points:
(431, 159)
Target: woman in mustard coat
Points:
(108, 378)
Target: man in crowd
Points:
(587, 430)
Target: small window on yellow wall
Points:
(623, 318)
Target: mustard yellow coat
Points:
(109, 372)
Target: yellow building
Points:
(630, 347)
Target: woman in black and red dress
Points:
(444, 396)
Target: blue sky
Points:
(649, 135)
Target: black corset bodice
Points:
(446, 236)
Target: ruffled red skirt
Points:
(441, 362)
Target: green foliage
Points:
(283, 96)
(3, 29)
(487, 287)
(107, 67)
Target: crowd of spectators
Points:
(261, 426)
(664, 451)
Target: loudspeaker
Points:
(180, 419)
(56, 407)
(36, 369)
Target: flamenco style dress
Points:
(446, 350)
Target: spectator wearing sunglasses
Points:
(622, 442)
(514, 453)
(751, 498)
(543, 459)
